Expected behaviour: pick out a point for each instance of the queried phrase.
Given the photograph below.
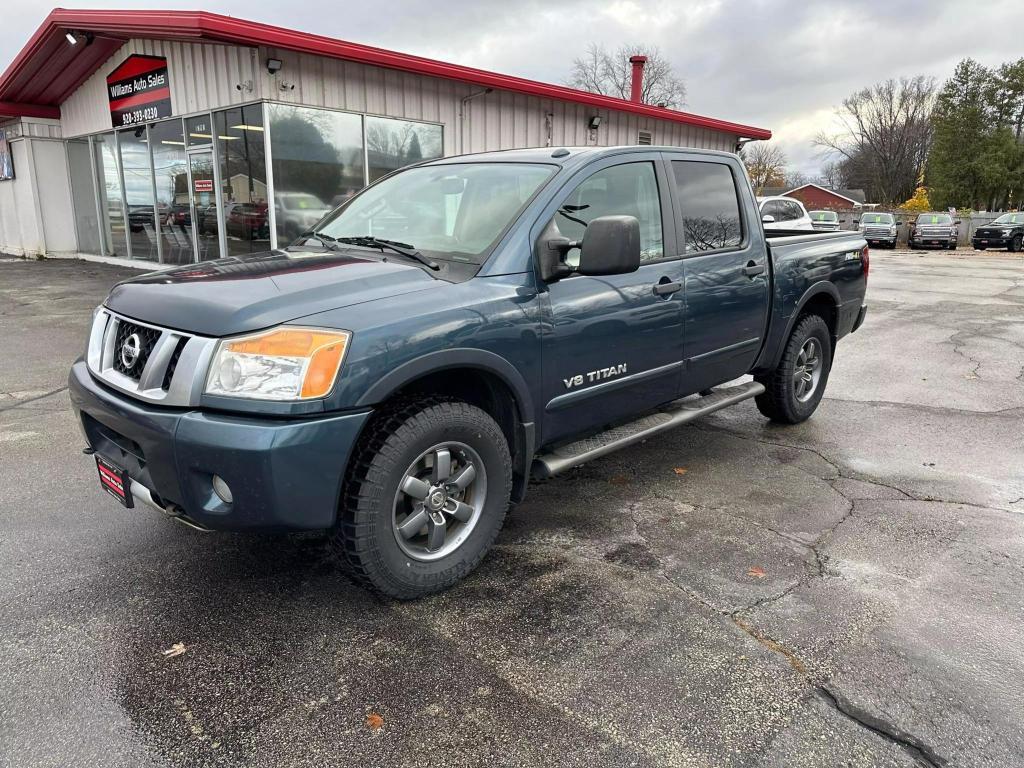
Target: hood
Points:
(248, 293)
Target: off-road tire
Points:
(395, 437)
(779, 402)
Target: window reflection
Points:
(393, 144)
(83, 193)
(710, 206)
(244, 179)
(317, 165)
(172, 195)
(138, 192)
(110, 194)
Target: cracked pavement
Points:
(848, 591)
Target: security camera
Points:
(245, 85)
(274, 66)
(287, 86)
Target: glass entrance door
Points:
(204, 204)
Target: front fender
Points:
(444, 359)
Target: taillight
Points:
(865, 260)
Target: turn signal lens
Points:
(282, 364)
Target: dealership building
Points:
(181, 136)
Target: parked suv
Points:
(937, 229)
(784, 213)
(542, 309)
(879, 228)
(1005, 232)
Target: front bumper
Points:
(284, 474)
(992, 242)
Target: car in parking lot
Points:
(824, 221)
(879, 228)
(933, 229)
(1005, 232)
(546, 308)
(783, 213)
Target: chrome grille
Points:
(170, 366)
(877, 231)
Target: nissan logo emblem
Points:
(130, 350)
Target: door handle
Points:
(753, 269)
(666, 288)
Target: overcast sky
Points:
(778, 64)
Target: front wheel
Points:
(1016, 244)
(425, 498)
(794, 389)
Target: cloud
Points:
(780, 64)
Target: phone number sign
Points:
(139, 91)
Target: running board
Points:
(554, 462)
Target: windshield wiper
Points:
(325, 240)
(403, 249)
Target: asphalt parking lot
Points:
(847, 592)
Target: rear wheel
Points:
(794, 389)
(425, 498)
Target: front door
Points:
(612, 345)
(204, 204)
(725, 264)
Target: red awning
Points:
(49, 69)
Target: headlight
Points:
(285, 363)
(892, 230)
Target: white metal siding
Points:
(203, 76)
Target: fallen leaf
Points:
(680, 470)
(757, 572)
(619, 480)
(175, 650)
(374, 721)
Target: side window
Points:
(710, 205)
(622, 190)
(794, 211)
(771, 208)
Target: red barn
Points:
(818, 198)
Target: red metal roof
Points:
(48, 69)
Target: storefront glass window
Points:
(83, 194)
(317, 159)
(138, 192)
(199, 131)
(172, 195)
(110, 194)
(243, 174)
(393, 144)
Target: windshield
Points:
(1010, 218)
(454, 212)
(824, 216)
(934, 218)
(302, 202)
(876, 218)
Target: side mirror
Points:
(856, 221)
(611, 246)
(768, 219)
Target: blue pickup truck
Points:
(399, 374)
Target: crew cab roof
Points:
(566, 155)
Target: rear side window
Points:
(709, 205)
(793, 211)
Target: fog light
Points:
(222, 490)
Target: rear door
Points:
(725, 268)
(612, 345)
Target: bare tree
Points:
(766, 165)
(834, 175)
(795, 179)
(886, 134)
(611, 74)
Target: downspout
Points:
(462, 116)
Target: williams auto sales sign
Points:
(139, 91)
